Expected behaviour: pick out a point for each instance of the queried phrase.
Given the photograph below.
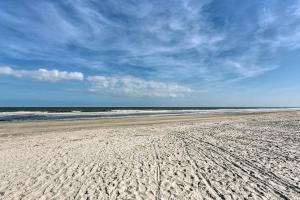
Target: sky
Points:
(150, 53)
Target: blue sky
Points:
(150, 53)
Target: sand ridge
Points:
(244, 157)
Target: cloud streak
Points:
(113, 85)
(42, 74)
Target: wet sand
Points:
(253, 156)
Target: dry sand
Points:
(253, 156)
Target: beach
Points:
(222, 157)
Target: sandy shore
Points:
(254, 156)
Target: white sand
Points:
(241, 157)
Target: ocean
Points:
(8, 114)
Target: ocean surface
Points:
(8, 114)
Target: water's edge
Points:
(8, 114)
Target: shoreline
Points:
(22, 128)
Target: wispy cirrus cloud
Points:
(196, 43)
(42, 74)
(280, 26)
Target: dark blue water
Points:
(106, 109)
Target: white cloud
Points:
(42, 74)
(118, 85)
(132, 86)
